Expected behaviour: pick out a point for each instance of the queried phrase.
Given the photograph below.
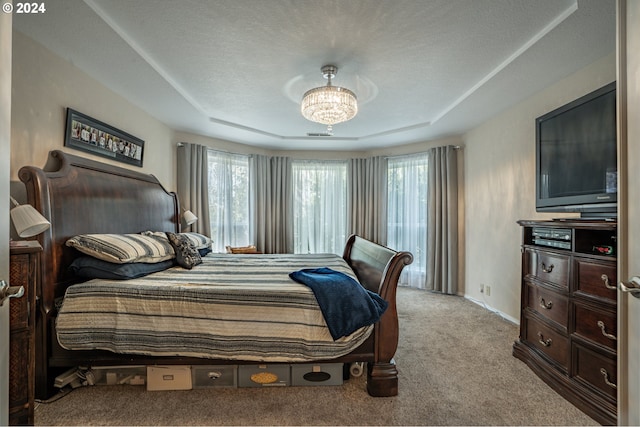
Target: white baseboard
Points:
(493, 310)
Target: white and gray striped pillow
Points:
(200, 241)
(123, 248)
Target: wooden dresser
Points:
(24, 265)
(568, 320)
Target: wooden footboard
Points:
(378, 269)
(83, 196)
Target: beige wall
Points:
(217, 144)
(44, 85)
(500, 188)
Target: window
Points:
(319, 206)
(407, 214)
(229, 199)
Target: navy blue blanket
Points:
(345, 304)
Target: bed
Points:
(81, 196)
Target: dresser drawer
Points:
(548, 341)
(549, 304)
(548, 266)
(596, 369)
(592, 277)
(596, 325)
(19, 370)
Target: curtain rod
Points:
(216, 150)
(455, 147)
(400, 156)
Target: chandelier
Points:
(329, 104)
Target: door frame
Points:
(6, 23)
(628, 60)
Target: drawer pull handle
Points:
(602, 327)
(547, 269)
(542, 341)
(7, 291)
(632, 286)
(605, 280)
(546, 305)
(605, 374)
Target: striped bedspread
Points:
(235, 307)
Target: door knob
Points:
(7, 291)
(632, 286)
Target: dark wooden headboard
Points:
(85, 196)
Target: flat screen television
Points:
(576, 162)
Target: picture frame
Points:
(93, 136)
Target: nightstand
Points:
(24, 271)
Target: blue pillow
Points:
(93, 268)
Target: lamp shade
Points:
(28, 221)
(189, 217)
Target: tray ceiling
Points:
(237, 69)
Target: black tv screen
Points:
(576, 161)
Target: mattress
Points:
(232, 307)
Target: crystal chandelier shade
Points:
(329, 104)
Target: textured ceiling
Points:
(237, 69)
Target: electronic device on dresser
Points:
(576, 162)
(552, 237)
(568, 316)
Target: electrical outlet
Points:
(487, 290)
(481, 288)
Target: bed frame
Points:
(79, 196)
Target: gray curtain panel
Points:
(442, 231)
(272, 204)
(193, 192)
(367, 198)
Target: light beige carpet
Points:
(455, 368)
